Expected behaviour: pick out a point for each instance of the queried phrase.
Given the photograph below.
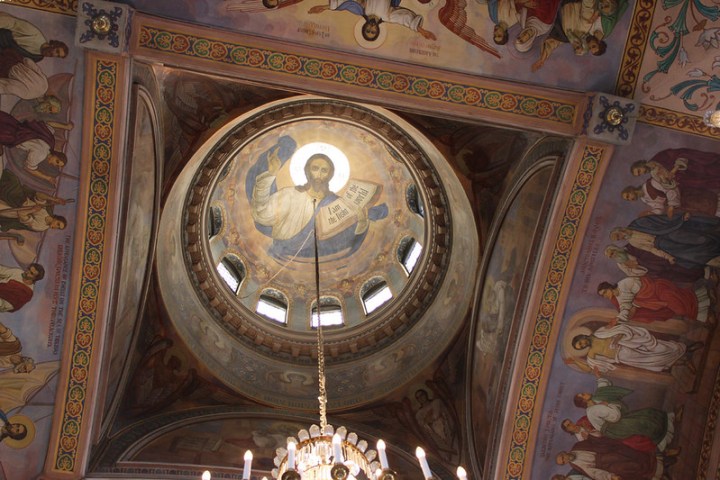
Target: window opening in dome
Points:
(215, 221)
(232, 271)
(414, 202)
(332, 314)
(376, 293)
(273, 305)
(409, 253)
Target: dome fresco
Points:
(266, 207)
(243, 214)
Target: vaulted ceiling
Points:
(502, 162)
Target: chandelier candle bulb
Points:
(337, 449)
(206, 475)
(461, 474)
(248, 463)
(420, 454)
(382, 454)
(291, 455)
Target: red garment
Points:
(16, 293)
(14, 132)
(545, 11)
(659, 299)
(703, 170)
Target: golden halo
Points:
(357, 32)
(568, 346)
(28, 423)
(336, 156)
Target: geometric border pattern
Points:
(662, 117)
(105, 93)
(545, 318)
(635, 46)
(225, 52)
(66, 7)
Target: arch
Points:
(273, 304)
(414, 202)
(408, 253)
(232, 271)
(215, 221)
(374, 293)
(331, 315)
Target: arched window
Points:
(374, 293)
(215, 221)
(331, 313)
(408, 253)
(414, 201)
(232, 271)
(273, 305)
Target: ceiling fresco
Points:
(443, 33)
(146, 363)
(40, 104)
(366, 184)
(640, 336)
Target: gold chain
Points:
(322, 393)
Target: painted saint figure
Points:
(584, 24)
(27, 39)
(607, 414)
(288, 215)
(376, 12)
(685, 240)
(664, 198)
(605, 459)
(17, 285)
(645, 299)
(22, 78)
(434, 417)
(535, 18)
(36, 139)
(14, 431)
(22, 208)
(628, 345)
(688, 167)
(636, 263)
(10, 353)
(583, 429)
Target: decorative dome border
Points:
(381, 328)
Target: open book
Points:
(342, 212)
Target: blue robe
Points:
(693, 242)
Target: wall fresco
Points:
(442, 33)
(40, 104)
(503, 281)
(636, 360)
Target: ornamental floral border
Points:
(66, 7)
(635, 46)
(662, 117)
(106, 77)
(231, 53)
(532, 373)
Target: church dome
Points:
(243, 217)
